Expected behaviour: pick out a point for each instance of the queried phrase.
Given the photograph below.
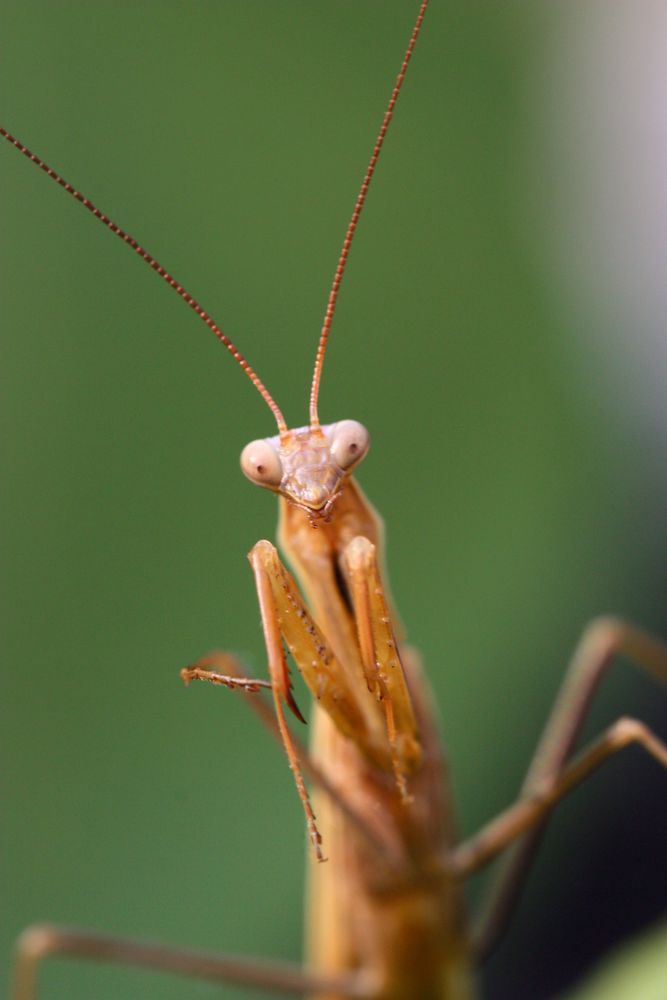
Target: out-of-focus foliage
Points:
(635, 972)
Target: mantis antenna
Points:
(352, 225)
(185, 295)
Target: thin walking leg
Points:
(530, 811)
(603, 640)
(227, 669)
(45, 940)
(200, 671)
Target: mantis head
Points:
(307, 465)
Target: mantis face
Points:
(308, 464)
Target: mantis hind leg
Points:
(549, 776)
(529, 813)
(45, 940)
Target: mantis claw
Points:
(289, 698)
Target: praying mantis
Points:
(199, 700)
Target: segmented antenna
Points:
(358, 205)
(185, 295)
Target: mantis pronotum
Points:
(333, 513)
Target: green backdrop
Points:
(230, 138)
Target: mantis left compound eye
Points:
(350, 442)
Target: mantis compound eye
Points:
(349, 443)
(261, 463)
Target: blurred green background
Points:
(520, 498)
